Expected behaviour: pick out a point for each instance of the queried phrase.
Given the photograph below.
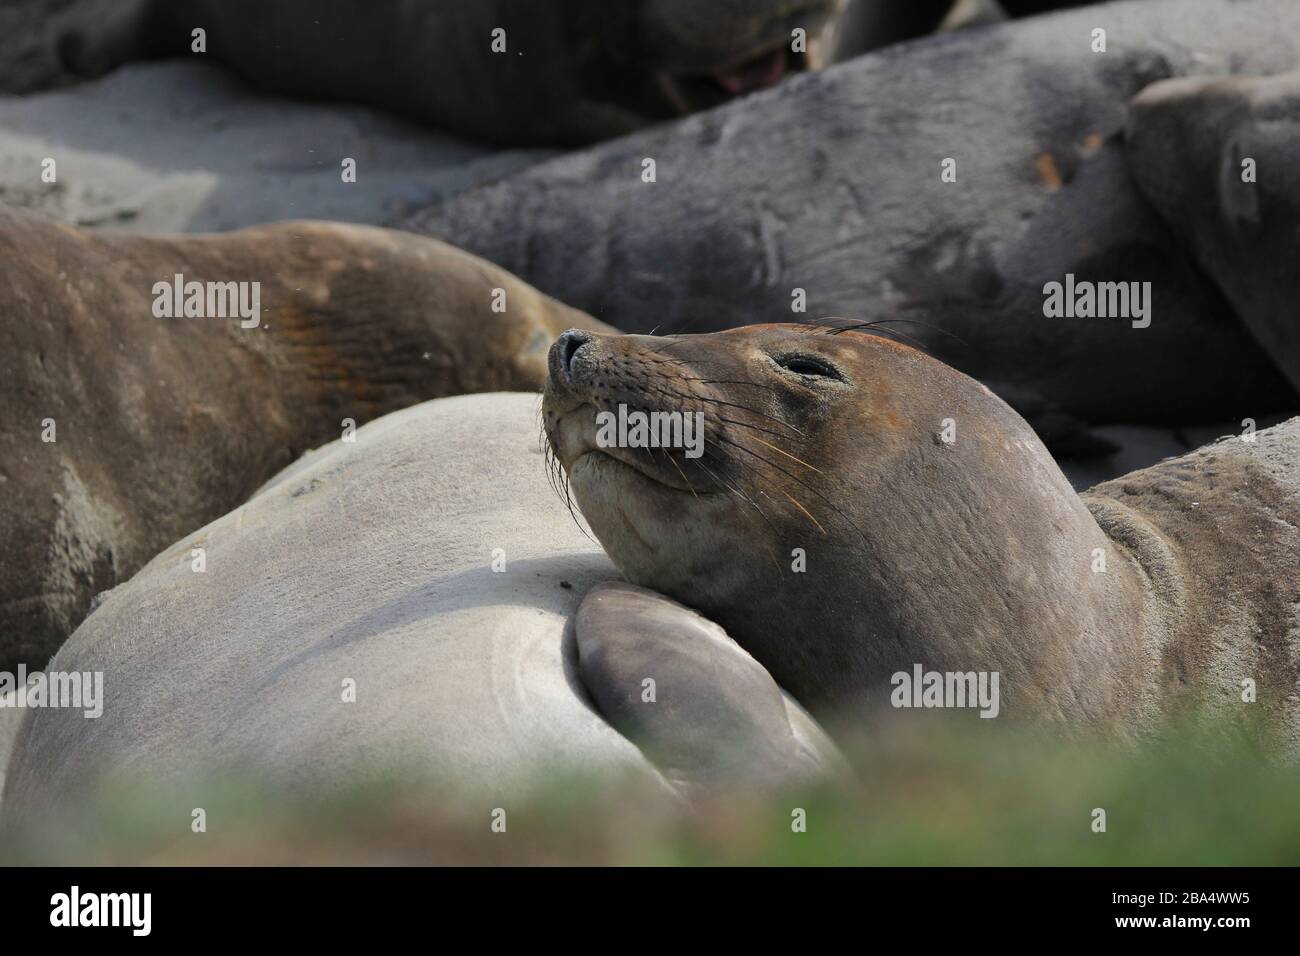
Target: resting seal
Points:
(831, 184)
(374, 562)
(966, 555)
(160, 424)
(571, 72)
(1216, 157)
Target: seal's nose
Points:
(564, 350)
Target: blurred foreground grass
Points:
(936, 794)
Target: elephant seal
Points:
(1216, 157)
(827, 194)
(511, 72)
(124, 430)
(429, 567)
(934, 530)
(485, 637)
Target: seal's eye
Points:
(809, 365)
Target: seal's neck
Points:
(1013, 574)
(983, 561)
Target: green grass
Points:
(953, 795)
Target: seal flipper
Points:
(700, 707)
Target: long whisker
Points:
(874, 329)
(759, 479)
(750, 426)
(669, 456)
(787, 455)
(723, 381)
(743, 408)
(771, 554)
(805, 511)
(558, 479)
(875, 323)
(791, 475)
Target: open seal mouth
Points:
(755, 72)
(690, 91)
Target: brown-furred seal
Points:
(130, 421)
(861, 509)
(511, 72)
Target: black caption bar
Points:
(214, 905)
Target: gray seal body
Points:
(828, 193)
(509, 72)
(428, 571)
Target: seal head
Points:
(858, 507)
